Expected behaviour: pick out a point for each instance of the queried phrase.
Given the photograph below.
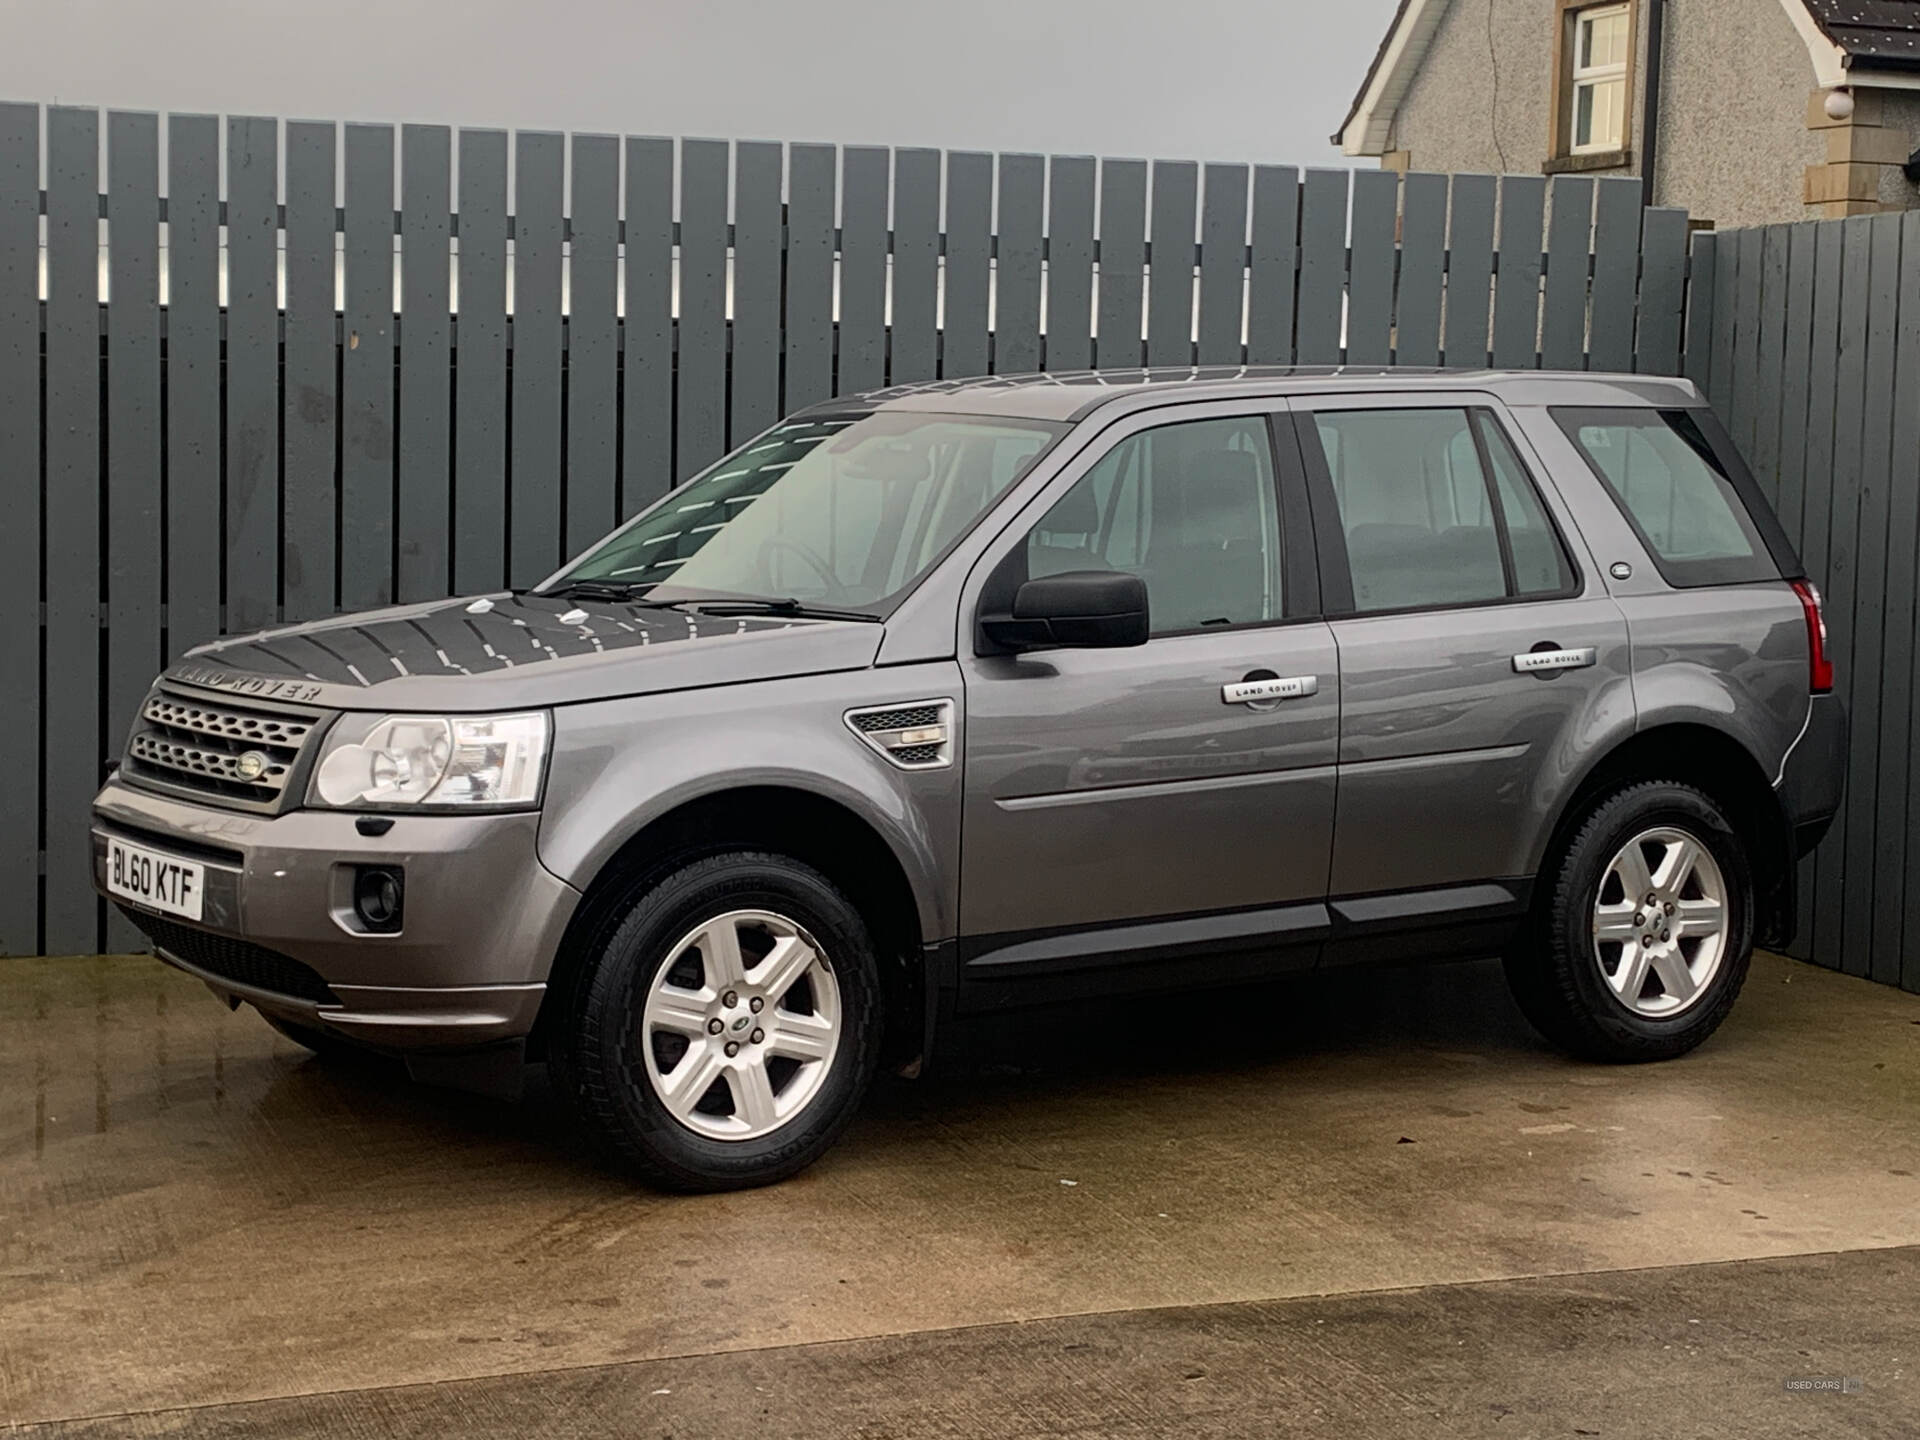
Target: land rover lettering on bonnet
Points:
(937, 701)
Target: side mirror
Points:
(1083, 609)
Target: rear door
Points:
(1137, 807)
(1477, 646)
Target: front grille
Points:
(240, 961)
(241, 754)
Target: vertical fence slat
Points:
(366, 373)
(1727, 256)
(1516, 309)
(72, 521)
(1170, 271)
(863, 269)
(1772, 344)
(759, 171)
(1376, 200)
(592, 342)
(700, 425)
(1796, 368)
(20, 537)
(1323, 266)
(1900, 833)
(310, 408)
(1840, 889)
(252, 369)
(426, 374)
(1016, 297)
(1616, 263)
(1423, 253)
(1123, 263)
(963, 341)
(193, 380)
(1069, 344)
(1223, 263)
(810, 223)
(1663, 272)
(913, 347)
(134, 500)
(1703, 261)
(1741, 404)
(534, 465)
(1469, 271)
(1823, 914)
(1893, 893)
(480, 367)
(1870, 914)
(1564, 292)
(646, 459)
(1275, 255)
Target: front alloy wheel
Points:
(742, 1025)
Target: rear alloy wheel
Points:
(724, 1030)
(1660, 922)
(1644, 929)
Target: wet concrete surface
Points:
(1043, 1237)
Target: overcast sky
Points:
(1257, 80)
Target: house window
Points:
(1602, 35)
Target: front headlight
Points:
(455, 762)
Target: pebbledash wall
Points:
(255, 371)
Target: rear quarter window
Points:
(1676, 479)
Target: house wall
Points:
(1735, 143)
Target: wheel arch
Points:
(806, 825)
(1719, 763)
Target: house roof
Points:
(1850, 42)
(1880, 33)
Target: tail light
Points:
(1819, 666)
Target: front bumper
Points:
(482, 924)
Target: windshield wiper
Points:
(627, 590)
(758, 605)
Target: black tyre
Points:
(1644, 931)
(725, 1027)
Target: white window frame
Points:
(1589, 77)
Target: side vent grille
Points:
(914, 736)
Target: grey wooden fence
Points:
(1808, 345)
(312, 389)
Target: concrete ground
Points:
(1356, 1205)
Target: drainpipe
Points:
(1650, 113)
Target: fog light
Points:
(379, 893)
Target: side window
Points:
(1539, 563)
(1426, 525)
(1662, 471)
(1191, 509)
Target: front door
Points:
(1171, 803)
(1477, 646)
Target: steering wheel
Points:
(814, 561)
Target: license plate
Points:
(159, 882)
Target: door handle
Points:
(1553, 659)
(1270, 689)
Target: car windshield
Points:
(845, 511)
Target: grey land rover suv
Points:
(993, 693)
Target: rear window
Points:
(1679, 491)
